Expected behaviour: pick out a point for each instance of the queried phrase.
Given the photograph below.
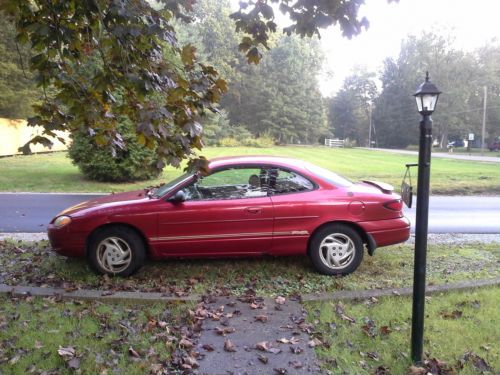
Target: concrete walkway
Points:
(444, 155)
(252, 335)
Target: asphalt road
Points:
(32, 212)
(445, 155)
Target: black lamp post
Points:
(427, 96)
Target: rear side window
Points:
(231, 183)
(283, 181)
(329, 176)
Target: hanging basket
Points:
(406, 187)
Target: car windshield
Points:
(329, 176)
(165, 188)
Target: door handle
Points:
(254, 210)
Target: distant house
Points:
(15, 133)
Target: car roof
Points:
(256, 159)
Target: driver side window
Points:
(232, 183)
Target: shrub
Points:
(136, 162)
(229, 142)
(263, 141)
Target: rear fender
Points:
(367, 238)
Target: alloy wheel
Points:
(337, 251)
(114, 254)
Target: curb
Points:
(148, 297)
(100, 295)
(430, 289)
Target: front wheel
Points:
(116, 251)
(336, 249)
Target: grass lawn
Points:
(36, 264)
(461, 329)
(55, 173)
(105, 338)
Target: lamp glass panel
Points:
(429, 102)
(419, 102)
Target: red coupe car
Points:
(241, 206)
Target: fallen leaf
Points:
(14, 359)
(229, 346)
(314, 342)
(263, 345)
(163, 325)
(385, 330)
(67, 353)
(208, 347)
(274, 350)
(295, 364)
(133, 353)
(348, 318)
(263, 359)
(451, 315)
(224, 331)
(414, 370)
(435, 366)
(191, 362)
(280, 300)
(373, 355)
(261, 318)
(186, 343)
(296, 349)
(287, 341)
(478, 362)
(382, 370)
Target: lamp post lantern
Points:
(426, 96)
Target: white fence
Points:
(334, 142)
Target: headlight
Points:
(61, 221)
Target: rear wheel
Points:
(336, 249)
(116, 251)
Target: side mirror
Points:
(178, 197)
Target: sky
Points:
(471, 23)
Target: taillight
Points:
(395, 205)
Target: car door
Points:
(296, 210)
(225, 213)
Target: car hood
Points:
(107, 201)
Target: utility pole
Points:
(370, 128)
(484, 119)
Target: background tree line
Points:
(460, 75)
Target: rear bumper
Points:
(66, 242)
(388, 232)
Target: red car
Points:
(243, 206)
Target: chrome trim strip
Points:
(215, 221)
(295, 217)
(232, 235)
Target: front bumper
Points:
(67, 242)
(388, 232)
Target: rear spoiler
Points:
(385, 188)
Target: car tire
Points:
(336, 249)
(116, 251)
